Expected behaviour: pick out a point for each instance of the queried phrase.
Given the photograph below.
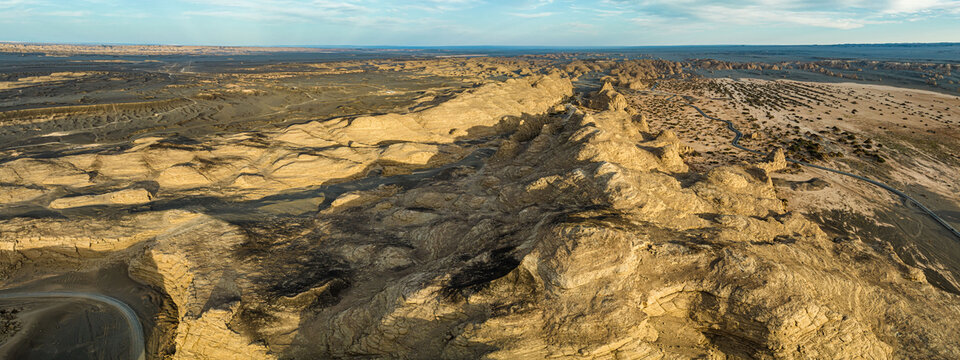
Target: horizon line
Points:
(383, 46)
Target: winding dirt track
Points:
(736, 143)
(136, 330)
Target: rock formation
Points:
(776, 160)
(578, 237)
(608, 99)
(583, 245)
(314, 153)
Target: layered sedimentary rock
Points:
(583, 235)
(571, 249)
(255, 164)
(122, 197)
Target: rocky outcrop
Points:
(776, 161)
(70, 238)
(472, 114)
(122, 197)
(608, 99)
(179, 262)
(580, 245)
(642, 123)
(582, 236)
(253, 165)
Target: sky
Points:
(479, 22)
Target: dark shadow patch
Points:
(289, 269)
(736, 335)
(224, 294)
(757, 173)
(477, 275)
(938, 280)
(709, 216)
(813, 184)
(287, 263)
(597, 216)
(313, 269)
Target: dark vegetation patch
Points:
(250, 319)
(353, 222)
(9, 324)
(283, 261)
(805, 150)
(814, 184)
(287, 263)
(478, 274)
(310, 268)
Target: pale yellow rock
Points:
(14, 194)
(250, 181)
(306, 170)
(409, 153)
(732, 190)
(237, 151)
(253, 166)
(609, 99)
(24, 234)
(122, 197)
(82, 161)
(470, 112)
(346, 200)
(302, 137)
(128, 166)
(372, 130)
(775, 161)
(181, 176)
(180, 263)
(43, 172)
(9, 175)
(642, 124)
(160, 159)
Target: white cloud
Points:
(647, 20)
(757, 15)
(68, 13)
(835, 14)
(532, 15)
(896, 7)
(327, 10)
(601, 12)
(278, 10)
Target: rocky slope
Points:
(256, 164)
(584, 234)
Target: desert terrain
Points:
(243, 205)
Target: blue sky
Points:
(480, 22)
